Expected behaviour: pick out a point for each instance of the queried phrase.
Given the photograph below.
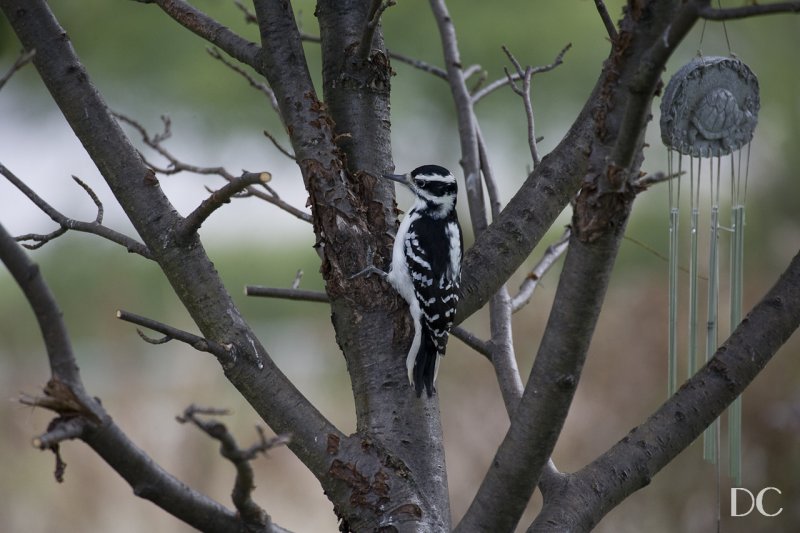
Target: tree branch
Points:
(23, 59)
(710, 13)
(66, 223)
(257, 85)
(251, 513)
(514, 76)
(287, 294)
(551, 255)
(467, 133)
(373, 19)
(607, 22)
(226, 353)
(212, 31)
(191, 224)
(524, 92)
(66, 395)
(176, 165)
(579, 506)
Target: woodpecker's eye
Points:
(420, 183)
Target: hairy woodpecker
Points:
(426, 268)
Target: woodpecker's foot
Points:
(371, 269)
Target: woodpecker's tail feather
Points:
(425, 364)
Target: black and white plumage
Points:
(426, 268)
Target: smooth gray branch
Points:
(286, 294)
(225, 353)
(551, 255)
(465, 113)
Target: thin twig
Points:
(278, 145)
(419, 64)
(373, 18)
(524, 92)
(502, 82)
(710, 13)
(175, 166)
(472, 340)
(24, 58)
(191, 224)
(259, 86)
(647, 181)
(607, 22)
(551, 255)
(286, 294)
(66, 223)
(224, 352)
(249, 16)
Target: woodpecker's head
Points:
(435, 188)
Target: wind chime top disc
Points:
(710, 107)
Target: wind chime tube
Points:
(693, 274)
(737, 278)
(710, 440)
(672, 361)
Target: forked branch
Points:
(251, 513)
(33, 241)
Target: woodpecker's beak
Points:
(399, 178)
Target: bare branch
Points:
(472, 340)
(607, 22)
(551, 255)
(212, 31)
(60, 429)
(249, 16)
(710, 13)
(470, 158)
(217, 199)
(524, 92)
(680, 420)
(419, 64)
(24, 58)
(502, 82)
(175, 166)
(278, 145)
(501, 347)
(648, 180)
(286, 294)
(66, 223)
(373, 18)
(259, 86)
(225, 353)
(250, 512)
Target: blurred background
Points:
(146, 66)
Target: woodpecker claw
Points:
(370, 269)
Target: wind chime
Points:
(708, 115)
